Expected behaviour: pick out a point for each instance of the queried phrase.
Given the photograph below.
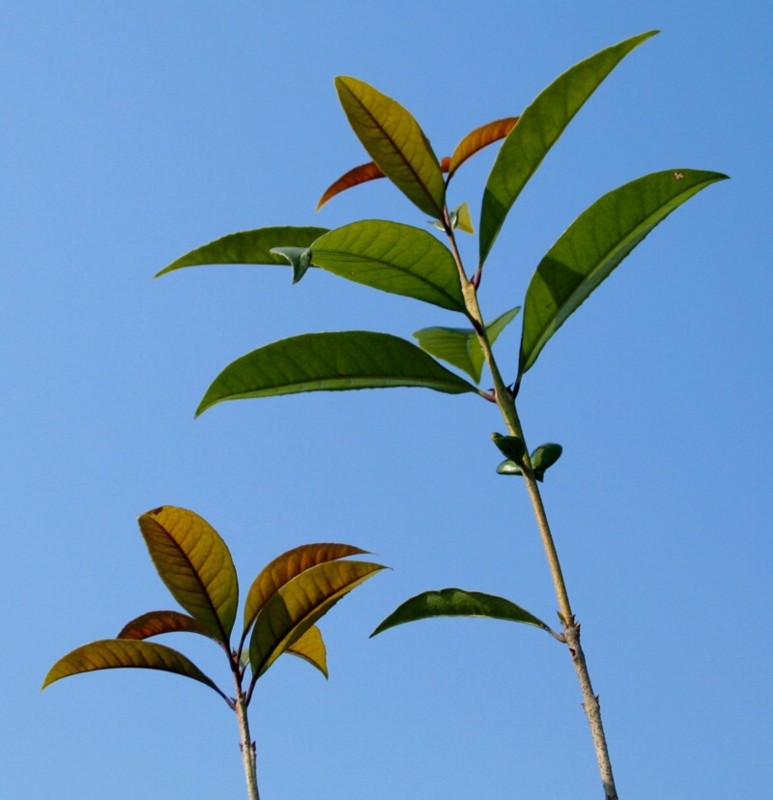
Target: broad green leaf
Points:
(457, 603)
(285, 567)
(331, 362)
(478, 139)
(392, 257)
(460, 346)
(395, 142)
(155, 623)
(196, 565)
(311, 648)
(126, 653)
(297, 605)
(594, 244)
(247, 247)
(537, 130)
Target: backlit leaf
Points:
(537, 130)
(395, 142)
(311, 648)
(297, 605)
(594, 244)
(457, 603)
(285, 567)
(248, 247)
(478, 139)
(354, 177)
(460, 346)
(196, 566)
(331, 362)
(155, 623)
(126, 653)
(392, 257)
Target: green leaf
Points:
(460, 346)
(537, 130)
(298, 258)
(196, 566)
(395, 142)
(331, 362)
(248, 247)
(155, 623)
(508, 467)
(594, 244)
(512, 447)
(392, 257)
(544, 457)
(118, 653)
(285, 567)
(457, 603)
(311, 648)
(297, 605)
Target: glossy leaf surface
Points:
(537, 130)
(395, 142)
(248, 247)
(460, 346)
(331, 362)
(457, 603)
(478, 139)
(594, 244)
(286, 567)
(392, 257)
(297, 605)
(125, 653)
(155, 623)
(544, 457)
(311, 648)
(196, 566)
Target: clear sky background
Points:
(133, 132)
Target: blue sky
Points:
(133, 132)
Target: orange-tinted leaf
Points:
(311, 648)
(285, 567)
(361, 174)
(195, 564)
(477, 140)
(154, 623)
(297, 605)
(118, 653)
(395, 142)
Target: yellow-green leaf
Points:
(297, 605)
(395, 142)
(196, 565)
(126, 653)
(285, 567)
(155, 623)
(311, 648)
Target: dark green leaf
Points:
(508, 467)
(544, 457)
(196, 566)
(460, 346)
(331, 362)
(457, 603)
(117, 653)
(248, 247)
(395, 142)
(594, 244)
(512, 447)
(537, 130)
(392, 257)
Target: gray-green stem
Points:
(247, 745)
(571, 628)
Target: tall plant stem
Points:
(247, 745)
(505, 401)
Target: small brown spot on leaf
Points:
(678, 176)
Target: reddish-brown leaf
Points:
(478, 139)
(154, 623)
(354, 177)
